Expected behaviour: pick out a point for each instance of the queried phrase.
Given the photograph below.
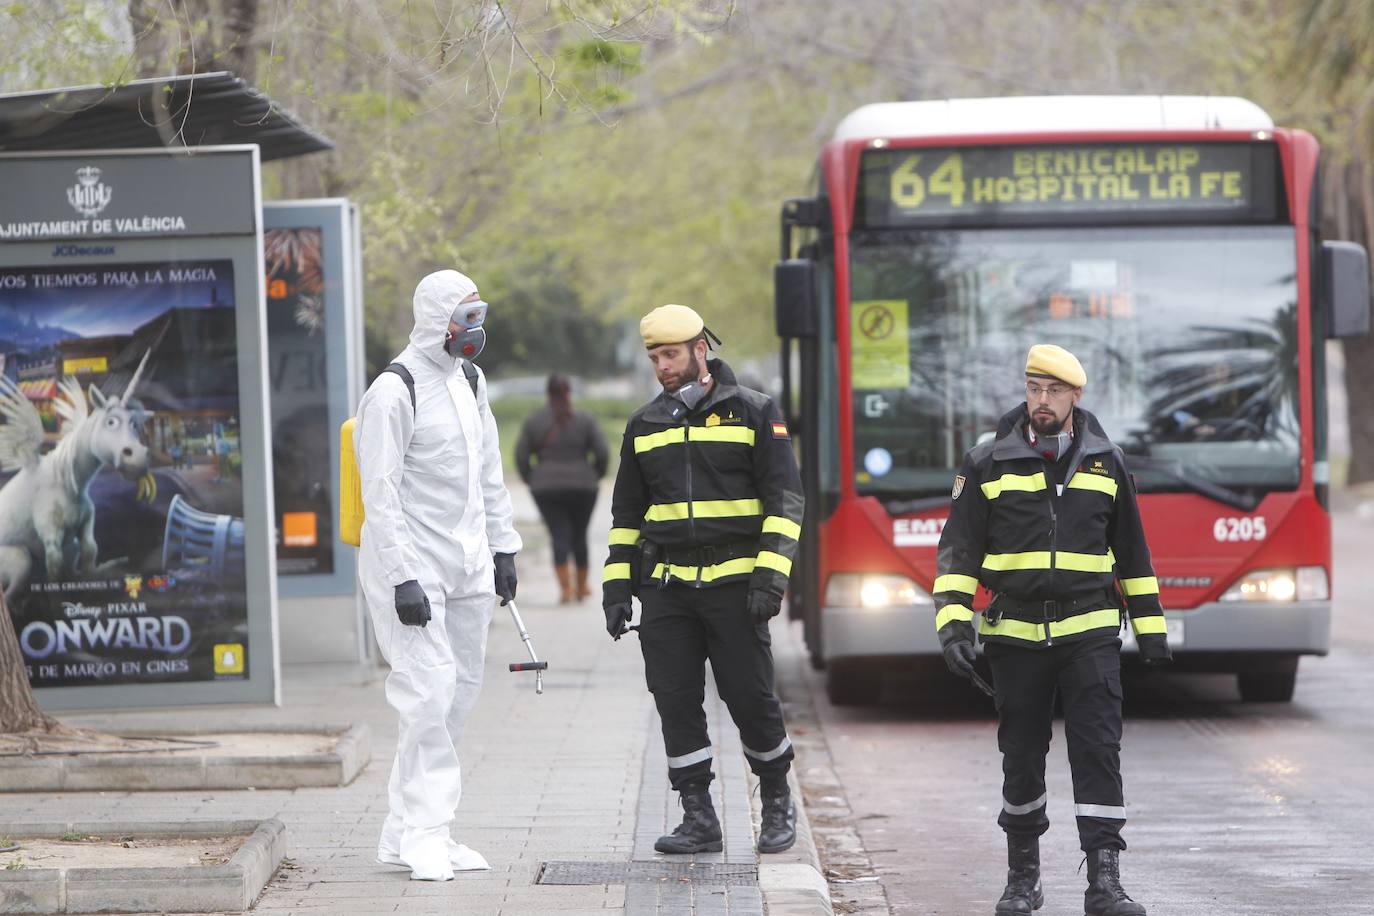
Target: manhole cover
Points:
(646, 873)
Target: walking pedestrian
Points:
(438, 545)
(1045, 517)
(562, 456)
(707, 511)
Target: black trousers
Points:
(1087, 676)
(566, 514)
(681, 628)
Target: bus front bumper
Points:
(1300, 627)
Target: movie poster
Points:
(121, 496)
(298, 376)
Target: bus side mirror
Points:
(794, 298)
(1345, 275)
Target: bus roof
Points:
(1035, 114)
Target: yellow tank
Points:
(351, 513)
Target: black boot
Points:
(1104, 896)
(700, 828)
(778, 830)
(1023, 893)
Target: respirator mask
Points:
(1052, 447)
(471, 337)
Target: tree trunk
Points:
(1359, 352)
(18, 710)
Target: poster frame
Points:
(244, 250)
(343, 308)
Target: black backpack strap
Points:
(471, 372)
(404, 373)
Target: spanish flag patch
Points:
(779, 430)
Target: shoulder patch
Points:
(958, 487)
(779, 430)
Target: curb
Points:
(230, 887)
(793, 883)
(130, 772)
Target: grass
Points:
(14, 865)
(75, 837)
(510, 413)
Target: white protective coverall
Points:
(436, 510)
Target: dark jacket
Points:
(572, 458)
(1057, 563)
(707, 498)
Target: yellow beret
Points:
(670, 324)
(1056, 362)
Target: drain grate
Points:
(647, 873)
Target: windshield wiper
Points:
(920, 504)
(1173, 468)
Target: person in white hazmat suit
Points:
(438, 545)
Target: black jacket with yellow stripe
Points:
(705, 498)
(1057, 563)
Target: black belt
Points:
(1034, 609)
(707, 554)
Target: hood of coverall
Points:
(436, 296)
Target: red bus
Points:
(1171, 243)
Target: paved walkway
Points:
(576, 775)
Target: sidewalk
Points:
(570, 786)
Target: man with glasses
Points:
(1045, 517)
(437, 548)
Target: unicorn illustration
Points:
(46, 509)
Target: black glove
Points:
(763, 605)
(1154, 650)
(412, 606)
(505, 577)
(959, 656)
(618, 618)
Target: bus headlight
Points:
(874, 592)
(1306, 583)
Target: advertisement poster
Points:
(121, 490)
(302, 438)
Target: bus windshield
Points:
(1188, 337)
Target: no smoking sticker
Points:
(878, 343)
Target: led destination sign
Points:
(1135, 182)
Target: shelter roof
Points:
(178, 112)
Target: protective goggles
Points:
(469, 315)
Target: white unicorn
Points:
(46, 508)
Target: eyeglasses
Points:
(1034, 392)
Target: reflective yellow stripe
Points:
(1016, 629)
(1109, 617)
(1083, 562)
(954, 583)
(1148, 625)
(1080, 623)
(614, 571)
(624, 536)
(741, 434)
(952, 612)
(770, 560)
(657, 440)
(706, 508)
(1082, 481)
(1032, 559)
(709, 573)
(1145, 585)
(776, 524)
(1027, 483)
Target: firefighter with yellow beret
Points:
(707, 511)
(1045, 517)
